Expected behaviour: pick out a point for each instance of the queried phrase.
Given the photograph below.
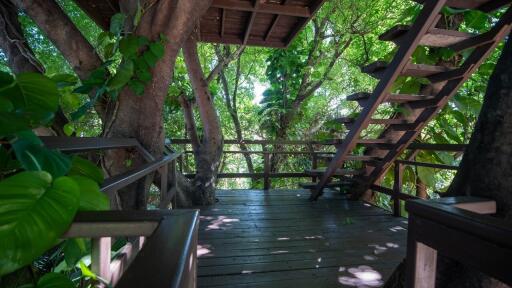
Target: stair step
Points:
(334, 184)
(331, 142)
(364, 158)
(377, 70)
(373, 141)
(483, 5)
(348, 121)
(362, 97)
(433, 38)
(339, 172)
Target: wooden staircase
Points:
(401, 130)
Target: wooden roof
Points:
(267, 23)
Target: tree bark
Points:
(140, 117)
(231, 105)
(209, 152)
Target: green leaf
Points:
(138, 15)
(427, 176)
(10, 123)
(123, 75)
(7, 163)
(91, 198)
(69, 129)
(64, 80)
(83, 167)
(34, 97)
(150, 58)
(137, 87)
(129, 45)
(86, 272)
(34, 213)
(74, 249)
(143, 75)
(6, 105)
(33, 156)
(6, 79)
(157, 49)
(117, 23)
(55, 280)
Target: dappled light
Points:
(361, 276)
(219, 223)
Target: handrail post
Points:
(397, 189)
(314, 161)
(164, 183)
(266, 172)
(100, 257)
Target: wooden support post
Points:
(397, 189)
(425, 266)
(100, 257)
(314, 161)
(164, 183)
(266, 172)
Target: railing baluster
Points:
(266, 172)
(100, 257)
(397, 189)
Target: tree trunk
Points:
(231, 105)
(209, 152)
(140, 117)
(21, 58)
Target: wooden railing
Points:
(461, 229)
(164, 252)
(266, 154)
(396, 193)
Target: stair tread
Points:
(434, 38)
(339, 172)
(373, 141)
(377, 69)
(311, 185)
(349, 120)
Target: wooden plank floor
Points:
(279, 239)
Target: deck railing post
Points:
(100, 257)
(266, 172)
(314, 161)
(164, 183)
(397, 189)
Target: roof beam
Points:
(274, 23)
(222, 22)
(288, 10)
(250, 22)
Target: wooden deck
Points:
(280, 239)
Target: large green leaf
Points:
(34, 213)
(55, 280)
(123, 75)
(34, 156)
(91, 198)
(83, 167)
(34, 96)
(74, 249)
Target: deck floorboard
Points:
(278, 238)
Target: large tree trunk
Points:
(140, 117)
(209, 152)
(232, 106)
(21, 58)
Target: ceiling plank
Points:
(288, 10)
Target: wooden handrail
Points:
(167, 258)
(122, 180)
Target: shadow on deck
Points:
(280, 239)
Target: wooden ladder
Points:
(401, 130)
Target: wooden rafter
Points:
(288, 10)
